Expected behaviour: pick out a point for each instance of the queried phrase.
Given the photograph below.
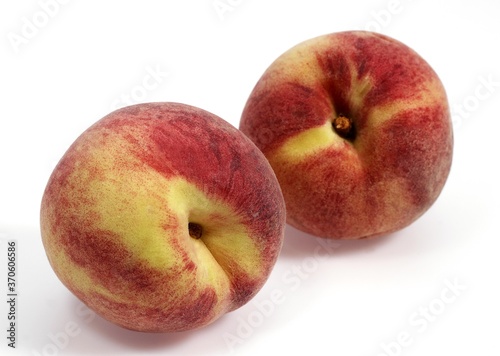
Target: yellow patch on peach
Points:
(308, 142)
(359, 89)
(299, 66)
(73, 275)
(131, 206)
(223, 232)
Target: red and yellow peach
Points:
(357, 128)
(162, 217)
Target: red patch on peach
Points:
(281, 111)
(105, 260)
(337, 79)
(196, 310)
(374, 56)
(420, 151)
(338, 189)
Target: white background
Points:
(63, 68)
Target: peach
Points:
(357, 128)
(162, 217)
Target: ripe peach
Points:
(357, 128)
(162, 217)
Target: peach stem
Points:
(343, 126)
(195, 230)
